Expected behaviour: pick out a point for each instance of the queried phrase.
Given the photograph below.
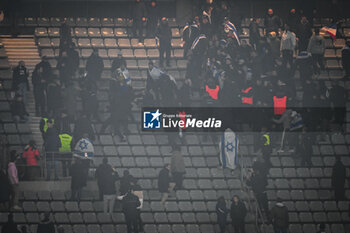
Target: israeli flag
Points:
(231, 27)
(229, 149)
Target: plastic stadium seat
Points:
(153, 53)
(303, 172)
(135, 43)
(107, 64)
(131, 64)
(80, 32)
(110, 43)
(94, 32)
(295, 228)
(81, 22)
(311, 195)
(150, 43)
(75, 218)
(107, 32)
(29, 21)
(32, 218)
(120, 22)
(107, 22)
(95, 22)
(94, 228)
(40, 32)
(120, 32)
(97, 43)
(329, 53)
(54, 21)
(84, 42)
(104, 218)
(102, 53)
(30, 196)
(108, 228)
(43, 206)
(47, 52)
(140, 53)
(339, 43)
(178, 53)
(29, 206)
(55, 42)
(175, 32)
(320, 217)
(143, 64)
(43, 21)
(53, 32)
(19, 218)
(124, 43)
(89, 218)
(181, 64)
(176, 43)
(44, 42)
(86, 52)
(57, 195)
(312, 184)
(329, 43)
(57, 206)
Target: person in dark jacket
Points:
(164, 35)
(65, 68)
(258, 182)
(139, 14)
(83, 125)
(89, 99)
(117, 62)
(5, 191)
(221, 212)
(338, 98)
(293, 20)
(304, 148)
(39, 90)
(345, 59)
(279, 217)
(125, 182)
(65, 36)
(106, 178)
(18, 109)
(46, 225)
(79, 178)
(46, 68)
(238, 213)
(272, 22)
(52, 143)
(165, 185)
(130, 204)
(54, 97)
(20, 84)
(254, 33)
(303, 33)
(73, 55)
(338, 179)
(153, 18)
(189, 34)
(10, 226)
(94, 67)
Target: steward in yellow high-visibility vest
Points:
(266, 148)
(66, 142)
(43, 124)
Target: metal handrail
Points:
(258, 213)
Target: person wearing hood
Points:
(13, 177)
(164, 36)
(272, 22)
(31, 155)
(345, 59)
(46, 225)
(238, 213)
(279, 217)
(316, 47)
(303, 33)
(288, 44)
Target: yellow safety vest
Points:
(267, 137)
(66, 140)
(45, 125)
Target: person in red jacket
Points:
(31, 155)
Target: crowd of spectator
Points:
(222, 70)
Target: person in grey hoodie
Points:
(288, 44)
(279, 217)
(317, 47)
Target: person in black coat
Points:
(337, 96)
(293, 19)
(20, 84)
(10, 226)
(254, 33)
(338, 179)
(46, 68)
(39, 90)
(345, 58)
(164, 35)
(18, 109)
(52, 143)
(130, 204)
(165, 185)
(94, 67)
(272, 22)
(153, 18)
(54, 97)
(258, 182)
(46, 225)
(125, 182)
(65, 36)
(238, 213)
(117, 62)
(303, 33)
(73, 56)
(103, 171)
(139, 14)
(79, 178)
(221, 212)
(65, 68)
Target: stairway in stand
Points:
(24, 49)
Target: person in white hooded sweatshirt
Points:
(288, 44)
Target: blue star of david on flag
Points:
(229, 146)
(83, 145)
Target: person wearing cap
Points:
(279, 217)
(164, 36)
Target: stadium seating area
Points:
(306, 191)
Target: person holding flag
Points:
(231, 30)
